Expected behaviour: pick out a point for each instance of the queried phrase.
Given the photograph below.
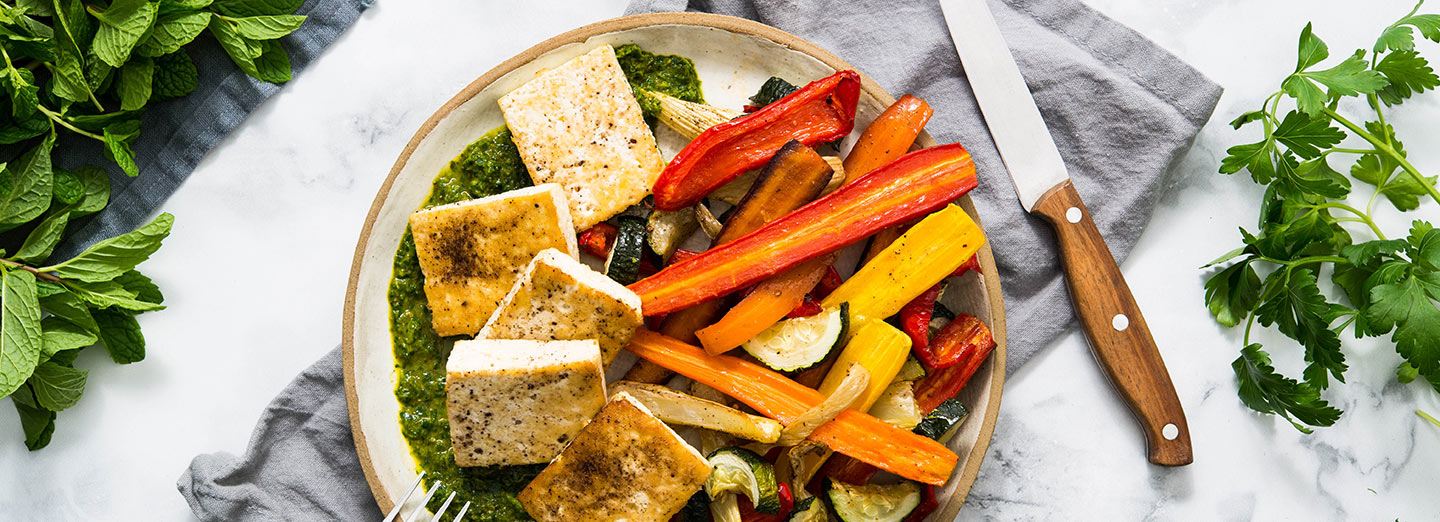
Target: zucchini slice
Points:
(802, 342)
(911, 371)
(897, 406)
(623, 265)
(941, 422)
(808, 510)
(743, 472)
(874, 502)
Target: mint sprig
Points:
(1311, 219)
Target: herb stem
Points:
(54, 116)
(1249, 322)
(1304, 260)
(31, 269)
(1361, 217)
(1384, 147)
(1427, 417)
(1349, 151)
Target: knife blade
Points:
(1117, 333)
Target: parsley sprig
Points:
(1385, 286)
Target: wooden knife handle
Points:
(1117, 332)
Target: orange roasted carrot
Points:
(851, 433)
(875, 442)
(885, 140)
(888, 137)
(771, 300)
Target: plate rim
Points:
(996, 364)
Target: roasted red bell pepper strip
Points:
(972, 265)
(819, 112)
(828, 282)
(956, 340)
(915, 320)
(973, 344)
(929, 502)
(917, 184)
(598, 239)
(806, 308)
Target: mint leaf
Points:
(175, 6)
(144, 289)
(19, 84)
(1294, 305)
(121, 27)
(1406, 306)
(19, 329)
(69, 308)
(1407, 74)
(173, 31)
(255, 7)
(273, 65)
(43, 238)
(68, 71)
(57, 387)
(60, 335)
(25, 186)
(1265, 391)
(1306, 136)
(38, 423)
(134, 83)
(66, 188)
(97, 190)
(108, 294)
(1232, 293)
(243, 51)
(175, 76)
(266, 27)
(107, 259)
(121, 335)
(118, 138)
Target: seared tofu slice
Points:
(559, 298)
(520, 402)
(473, 251)
(579, 125)
(625, 465)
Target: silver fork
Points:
(414, 515)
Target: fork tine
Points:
(461, 515)
(420, 508)
(444, 506)
(394, 512)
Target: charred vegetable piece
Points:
(809, 510)
(809, 307)
(770, 92)
(915, 317)
(688, 118)
(945, 383)
(623, 264)
(666, 230)
(955, 341)
(897, 406)
(597, 240)
(819, 112)
(675, 407)
(911, 371)
(929, 502)
(944, 418)
(915, 185)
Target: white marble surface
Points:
(256, 268)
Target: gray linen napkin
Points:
(1120, 109)
(176, 134)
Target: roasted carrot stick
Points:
(851, 433)
(886, 139)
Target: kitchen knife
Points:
(1112, 322)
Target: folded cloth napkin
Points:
(1121, 110)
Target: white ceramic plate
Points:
(734, 57)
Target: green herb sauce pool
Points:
(489, 166)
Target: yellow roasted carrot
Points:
(926, 254)
(877, 347)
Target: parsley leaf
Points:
(1265, 391)
(1232, 293)
(1306, 136)
(1294, 305)
(1407, 74)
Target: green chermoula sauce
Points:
(489, 166)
